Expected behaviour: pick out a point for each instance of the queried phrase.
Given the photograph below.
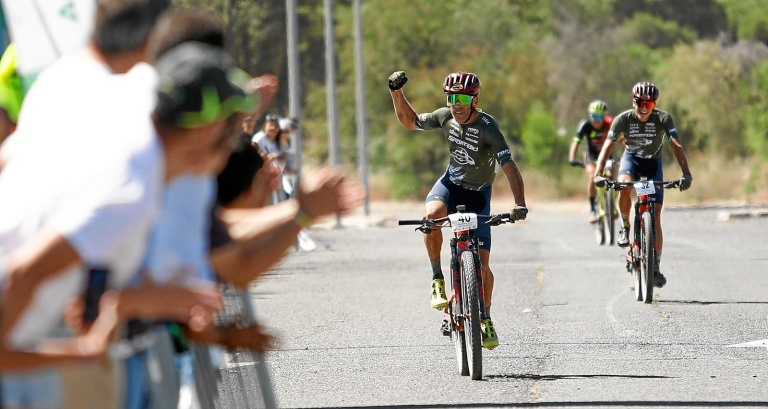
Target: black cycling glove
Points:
(685, 182)
(397, 80)
(600, 181)
(519, 213)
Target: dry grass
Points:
(716, 181)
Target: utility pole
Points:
(330, 78)
(362, 113)
(294, 82)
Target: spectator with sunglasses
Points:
(643, 129)
(478, 149)
(595, 130)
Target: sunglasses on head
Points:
(643, 104)
(460, 99)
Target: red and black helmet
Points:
(462, 82)
(645, 91)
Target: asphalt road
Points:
(356, 329)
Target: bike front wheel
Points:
(610, 221)
(599, 227)
(471, 306)
(647, 257)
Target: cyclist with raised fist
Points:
(478, 148)
(643, 128)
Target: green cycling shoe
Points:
(438, 301)
(490, 339)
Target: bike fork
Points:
(479, 275)
(455, 271)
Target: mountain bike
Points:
(466, 306)
(642, 252)
(605, 225)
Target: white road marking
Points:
(620, 328)
(763, 343)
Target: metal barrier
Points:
(243, 380)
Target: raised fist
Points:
(397, 80)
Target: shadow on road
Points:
(642, 404)
(697, 302)
(559, 377)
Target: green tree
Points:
(749, 18)
(701, 85)
(706, 17)
(755, 118)
(543, 149)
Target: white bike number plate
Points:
(463, 221)
(645, 187)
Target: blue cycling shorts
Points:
(476, 201)
(650, 168)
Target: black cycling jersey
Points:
(475, 148)
(595, 137)
(644, 139)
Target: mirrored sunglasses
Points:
(460, 99)
(596, 117)
(650, 105)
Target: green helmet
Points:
(598, 107)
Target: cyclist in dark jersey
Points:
(477, 149)
(595, 130)
(643, 128)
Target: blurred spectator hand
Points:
(252, 337)
(267, 86)
(325, 192)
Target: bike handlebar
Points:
(490, 220)
(667, 184)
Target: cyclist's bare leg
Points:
(434, 241)
(485, 257)
(591, 189)
(624, 198)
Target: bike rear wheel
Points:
(459, 342)
(647, 257)
(471, 308)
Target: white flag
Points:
(43, 30)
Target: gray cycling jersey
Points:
(475, 148)
(644, 139)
